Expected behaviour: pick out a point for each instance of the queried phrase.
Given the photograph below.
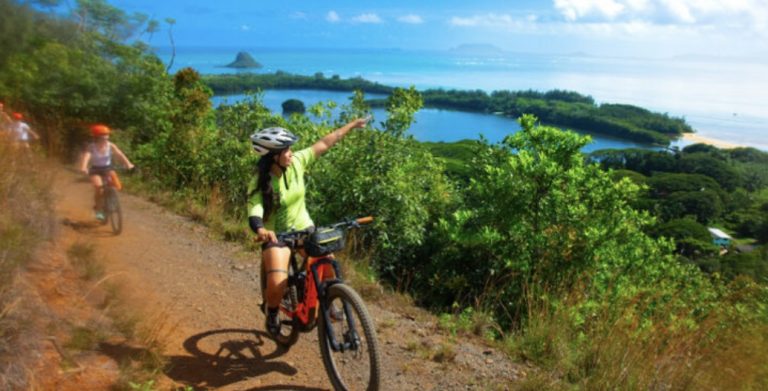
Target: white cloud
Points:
(488, 20)
(577, 9)
(745, 15)
(367, 18)
(332, 17)
(245, 27)
(410, 19)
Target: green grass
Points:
(470, 321)
(622, 348)
(84, 338)
(26, 208)
(82, 257)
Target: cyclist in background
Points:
(276, 202)
(21, 131)
(98, 155)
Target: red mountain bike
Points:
(110, 203)
(346, 333)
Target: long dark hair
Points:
(264, 184)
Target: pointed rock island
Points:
(243, 61)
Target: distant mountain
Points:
(477, 49)
(243, 60)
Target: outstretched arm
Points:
(34, 134)
(123, 159)
(325, 143)
(84, 162)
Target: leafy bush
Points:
(390, 176)
(542, 220)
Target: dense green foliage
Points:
(568, 109)
(455, 155)
(248, 82)
(26, 226)
(26, 202)
(542, 218)
(568, 256)
(703, 185)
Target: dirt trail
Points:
(205, 292)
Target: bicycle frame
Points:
(314, 290)
(108, 181)
(314, 293)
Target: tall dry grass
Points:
(26, 220)
(622, 347)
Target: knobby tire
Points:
(355, 369)
(113, 211)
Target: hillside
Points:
(557, 258)
(198, 299)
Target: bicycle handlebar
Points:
(296, 235)
(364, 220)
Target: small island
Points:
(243, 61)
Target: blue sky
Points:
(645, 28)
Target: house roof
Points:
(719, 234)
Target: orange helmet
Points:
(99, 130)
(17, 116)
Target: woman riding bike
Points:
(98, 155)
(276, 202)
(21, 131)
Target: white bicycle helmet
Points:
(272, 140)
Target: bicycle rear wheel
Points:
(112, 210)
(354, 363)
(289, 329)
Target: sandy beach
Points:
(695, 138)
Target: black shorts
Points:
(101, 171)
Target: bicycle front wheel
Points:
(348, 343)
(113, 211)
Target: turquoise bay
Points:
(430, 124)
(721, 98)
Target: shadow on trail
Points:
(286, 387)
(222, 357)
(91, 227)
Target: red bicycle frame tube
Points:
(310, 289)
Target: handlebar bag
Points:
(324, 241)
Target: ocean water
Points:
(722, 99)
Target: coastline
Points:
(695, 138)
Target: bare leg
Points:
(97, 183)
(276, 266)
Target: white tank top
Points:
(99, 158)
(22, 131)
